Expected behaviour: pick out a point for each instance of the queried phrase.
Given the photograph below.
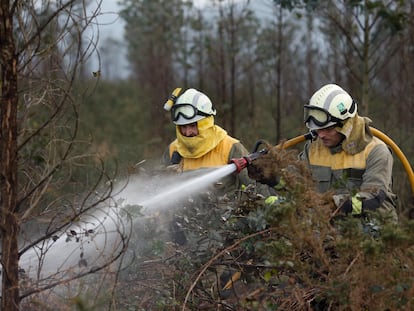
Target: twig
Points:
(210, 262)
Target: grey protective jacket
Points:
(361, 168)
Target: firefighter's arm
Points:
(376, 182)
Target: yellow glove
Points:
(271, 200)
(352, 205)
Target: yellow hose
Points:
(293, 141)
(399, 154)
(296, 140)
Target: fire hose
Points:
(243, 162)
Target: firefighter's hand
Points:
(257, 170)
(174, 168)
(346, 207)
(347, 204)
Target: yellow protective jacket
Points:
(227, 149)
(359, 168)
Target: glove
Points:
(174, 168)
(352, 206)
(258, 171)
(271, 200)
(346, 207)
(265, 167)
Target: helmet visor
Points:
(187, 111)
(318, 118)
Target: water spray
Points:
(104, 233)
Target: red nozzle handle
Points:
(240, 163)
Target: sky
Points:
(111, 42)
(111, 27)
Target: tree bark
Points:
(8, 155)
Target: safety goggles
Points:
(318, 116)
(187, 111)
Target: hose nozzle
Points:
(245, 161)
(240, 163)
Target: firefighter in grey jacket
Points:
(345, 157)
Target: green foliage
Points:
(285, 255)
(292, 254)
(113, 119)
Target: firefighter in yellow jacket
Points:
(200, 143)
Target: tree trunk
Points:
(8, 156)
(279, 75)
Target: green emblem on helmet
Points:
(341, 107)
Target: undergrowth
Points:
(293, 254)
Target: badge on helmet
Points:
(329, 106)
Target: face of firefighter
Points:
(330, 137)
(189, 130)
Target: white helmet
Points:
(329, 106)
(190, 107)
